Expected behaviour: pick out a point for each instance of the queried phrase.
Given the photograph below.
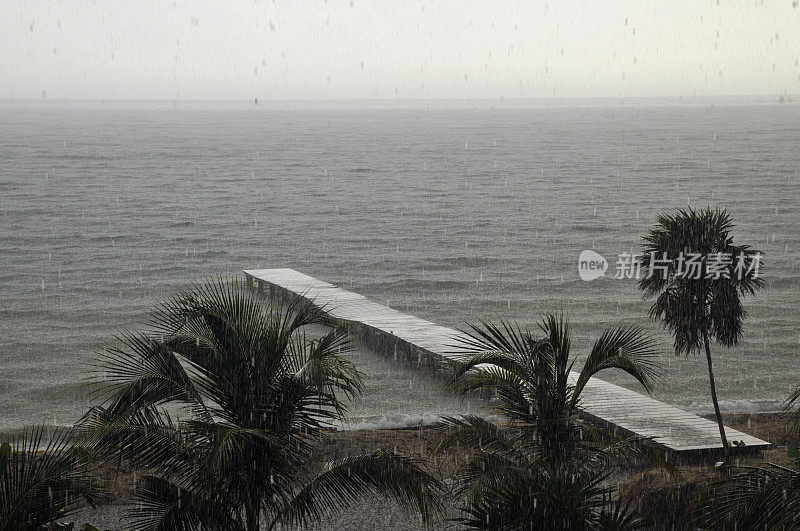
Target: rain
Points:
(323, 265)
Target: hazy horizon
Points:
(381, 51)
(499, 99)
(418, 103)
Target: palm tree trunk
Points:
(253, 511)
(714, 398)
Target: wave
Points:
(405, 286)
(396, 421)
(445, 264)
(408, 421)
(70, 390)
(115, 238)
(179, 224)
(363, 170)
(14, 435)
(782, 283)
(208, 254)
(735, 406)
(597, 228)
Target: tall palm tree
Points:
(222, 404)
(702, 302)
(547, 468)
(40, 483)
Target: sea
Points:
(454, 211)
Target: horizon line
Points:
(458, 99)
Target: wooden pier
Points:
(394, 332)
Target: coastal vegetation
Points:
(546, 464)
(220, 406)
(222, 414)
(763, 496)
(699, 276)
(43, 477)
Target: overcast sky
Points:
(386, 49)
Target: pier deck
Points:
(387, 329)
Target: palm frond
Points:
(609, 447)
(766, 497)
(696, 304)
(380, 473)
(147, 438)
(506, 387)
(520, 498)
(726, 313)
(40, 483)
(517, 375)
(557, 333)
(326, 368)
(471, 431)
(617, 515)
(257, 392)
(143, 372)
(792, 405)
(488, 337)
(542, 469)
(224, 455)
(165, 506)
(628, 349)
(486, 470)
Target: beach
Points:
(658, 496)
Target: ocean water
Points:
(450, 212)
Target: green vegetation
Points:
(548, 465)
(40, 483)
(252, 395)
(759, 497)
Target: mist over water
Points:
(451, 214)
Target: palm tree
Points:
(699, 302)
(547, 467)
(222, 404)
(40, 483)
(759, 497)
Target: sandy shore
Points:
(659, 496)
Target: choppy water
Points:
(451, 214)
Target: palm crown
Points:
(547, 464)
(694, 303)
(253, 395)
